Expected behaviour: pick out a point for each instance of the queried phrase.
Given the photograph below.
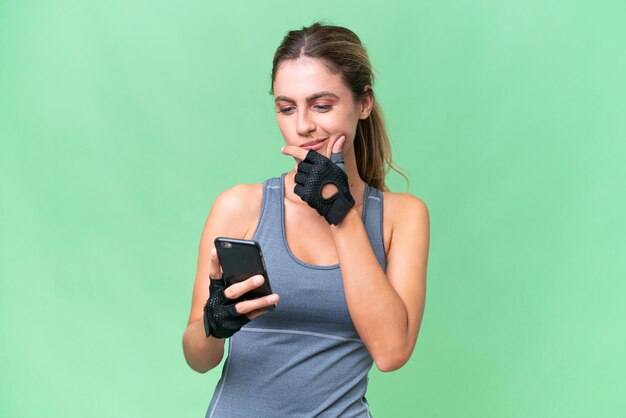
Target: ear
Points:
(367, 102)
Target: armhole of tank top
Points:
(382, 222)
(263, 205)
(376, 194)
(382, 227)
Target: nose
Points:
(305, 125)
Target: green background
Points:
(121, 121)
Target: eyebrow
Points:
(308, 99)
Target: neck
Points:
(356, 183)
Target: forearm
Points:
(201, 353)
(378, 312)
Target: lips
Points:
(313, 145)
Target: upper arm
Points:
(232, 214)
(408, 256)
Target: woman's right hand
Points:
(222, 317)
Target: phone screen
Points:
(241, 259)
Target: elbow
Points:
(393, 353)
(197, 358)
(198, 368)
(194, 364)
(198, 362)
(392, 356)
(200, 365)
(389, 365)
(391, 361)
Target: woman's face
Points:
(314, 107)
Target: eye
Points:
(322, 107)
(286, 110)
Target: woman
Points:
(346, 258)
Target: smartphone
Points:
(240, 259)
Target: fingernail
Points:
(257, 279)
(272, 298)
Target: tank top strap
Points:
(269, 225)
(373, 221)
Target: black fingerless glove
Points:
(221, 319)
(314, 172)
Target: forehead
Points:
(305, 76)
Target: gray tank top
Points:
(304, 359)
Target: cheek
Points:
(338, 124)
(286, 129)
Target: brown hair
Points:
(343, 53)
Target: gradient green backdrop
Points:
(121, 121)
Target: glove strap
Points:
(339, 209)
(207, 324)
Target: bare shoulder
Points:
(405, 218)
(403, 208)
(407, 224)
(237, 208)
(240, 198)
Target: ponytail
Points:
(373, 150)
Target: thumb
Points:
(338, 146)
(337, 153)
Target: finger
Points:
(334, 144)
(337, 154)
(247, 306)
(313, 157)
(329, 146)
(300, 178)
(338, 146)
(215, 271)
(299, 190)
(337, 158)
(296, 152)
(255, 314)
(305, 167)
(236, 290)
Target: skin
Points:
(314, 104)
